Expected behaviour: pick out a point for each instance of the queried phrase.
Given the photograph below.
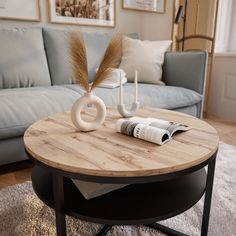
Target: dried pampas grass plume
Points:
(78, 58)
(111, 59)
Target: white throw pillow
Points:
(147, 57)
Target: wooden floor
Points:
(226, 130)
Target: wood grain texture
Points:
(55, 142)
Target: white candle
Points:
(121, 90)
(136, 86)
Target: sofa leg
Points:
(4, 169)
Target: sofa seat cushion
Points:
(190, 110)
(168, 97)
(22, 107)
(23, 60)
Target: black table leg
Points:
(58, 194)
(104, 230)
(208, 195)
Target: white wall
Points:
(158, 26)
(150, 26)
(222, 99)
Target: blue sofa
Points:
(35, 81)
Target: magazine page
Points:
(91, 190)
(170, 126)
(151, 134)
(140, 129)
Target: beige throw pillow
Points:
(147, 57)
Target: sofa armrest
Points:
(185, 69)
(188, 70)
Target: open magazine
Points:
(150, 129)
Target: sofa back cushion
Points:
(147, 57)
(23, 61)
(57, 49)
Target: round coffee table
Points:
(164, 180)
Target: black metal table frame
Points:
(58, 191)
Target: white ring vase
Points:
(88, 99)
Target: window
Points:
(226, 26)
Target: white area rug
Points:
(22, 213)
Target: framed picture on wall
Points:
(25, 10)
(157, 6)
(83, 12)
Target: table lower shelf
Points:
(134, 204)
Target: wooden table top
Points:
(106, 153)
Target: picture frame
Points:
(13, 10)
(93, 13)
(156, 6)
